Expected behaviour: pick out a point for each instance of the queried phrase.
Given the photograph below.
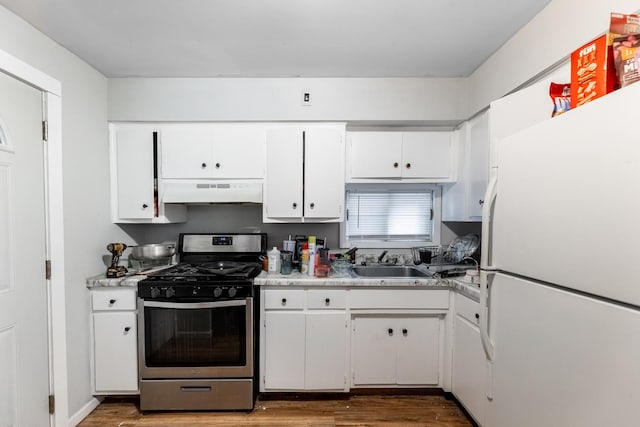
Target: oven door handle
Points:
(195, 305)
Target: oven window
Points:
(195, 337)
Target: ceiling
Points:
(280, 38)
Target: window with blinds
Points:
(390, 215)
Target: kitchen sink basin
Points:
(389, 271)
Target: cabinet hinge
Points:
(47, 269)
(45, 130)
(52, 404)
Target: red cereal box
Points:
(593, 73)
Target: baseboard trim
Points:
(77, 418)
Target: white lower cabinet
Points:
(305, 340)
(469, 363)
(115, 341)
(398, 350)
(284, 350)
(324, 339)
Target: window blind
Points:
(390, 215)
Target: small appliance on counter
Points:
(114, 270)
(144, 257)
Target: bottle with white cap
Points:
(274, 260)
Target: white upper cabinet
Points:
(391, 156)
(135, 187)
(463, 200)
(213, 150)
(305, 174)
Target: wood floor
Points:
(354, 410)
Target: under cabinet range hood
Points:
(208, 191)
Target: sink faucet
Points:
(381, 257)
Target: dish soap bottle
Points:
(274, 260)
(304, 259)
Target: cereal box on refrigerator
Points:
(624, 37)
(593, 72)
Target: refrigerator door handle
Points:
(487, 345)
(487, 220)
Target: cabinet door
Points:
(324, 173)
(283, 186)
(418, 346)
(115, 352)
(187, 151)
(284, 350)
(478, 165)
(134, 172)
(426, 155)
(375, 154)
(469, 370)
(238, 151)
(374, 351)
(326, 351)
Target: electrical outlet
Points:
(305, 98)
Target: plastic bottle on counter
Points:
(274, 260)
(304, 259)
(312, 255)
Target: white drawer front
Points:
(285, 299)
(401, 298)
(326, 299)
(468, 308)
(113, 299)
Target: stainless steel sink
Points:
(389, 271)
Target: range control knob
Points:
(232, 292)
(217, 292)
(170, 292)
(155, 292)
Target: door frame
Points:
(57, 336)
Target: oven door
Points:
(195, 339)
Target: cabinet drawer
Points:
(286, 299)
(113, 299)
(468, 309)
(401, 298)
(326, 299)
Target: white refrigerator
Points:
(560, 283)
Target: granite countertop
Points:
(101, 281)
(130, 280)
(471, 290)
(459, 284)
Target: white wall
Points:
(86, 183)
(551, 36)
(279, 99)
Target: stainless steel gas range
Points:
(197, 344)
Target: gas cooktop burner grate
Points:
(209, 271)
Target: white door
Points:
(134, 153)
(24, 360)
(375, 154)
(568, 198)
(561, 359)
(326, 351)
(283, 186)
(284, 350)
(417, 340)
(374, 351)
(426, 155)
(324, 173)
